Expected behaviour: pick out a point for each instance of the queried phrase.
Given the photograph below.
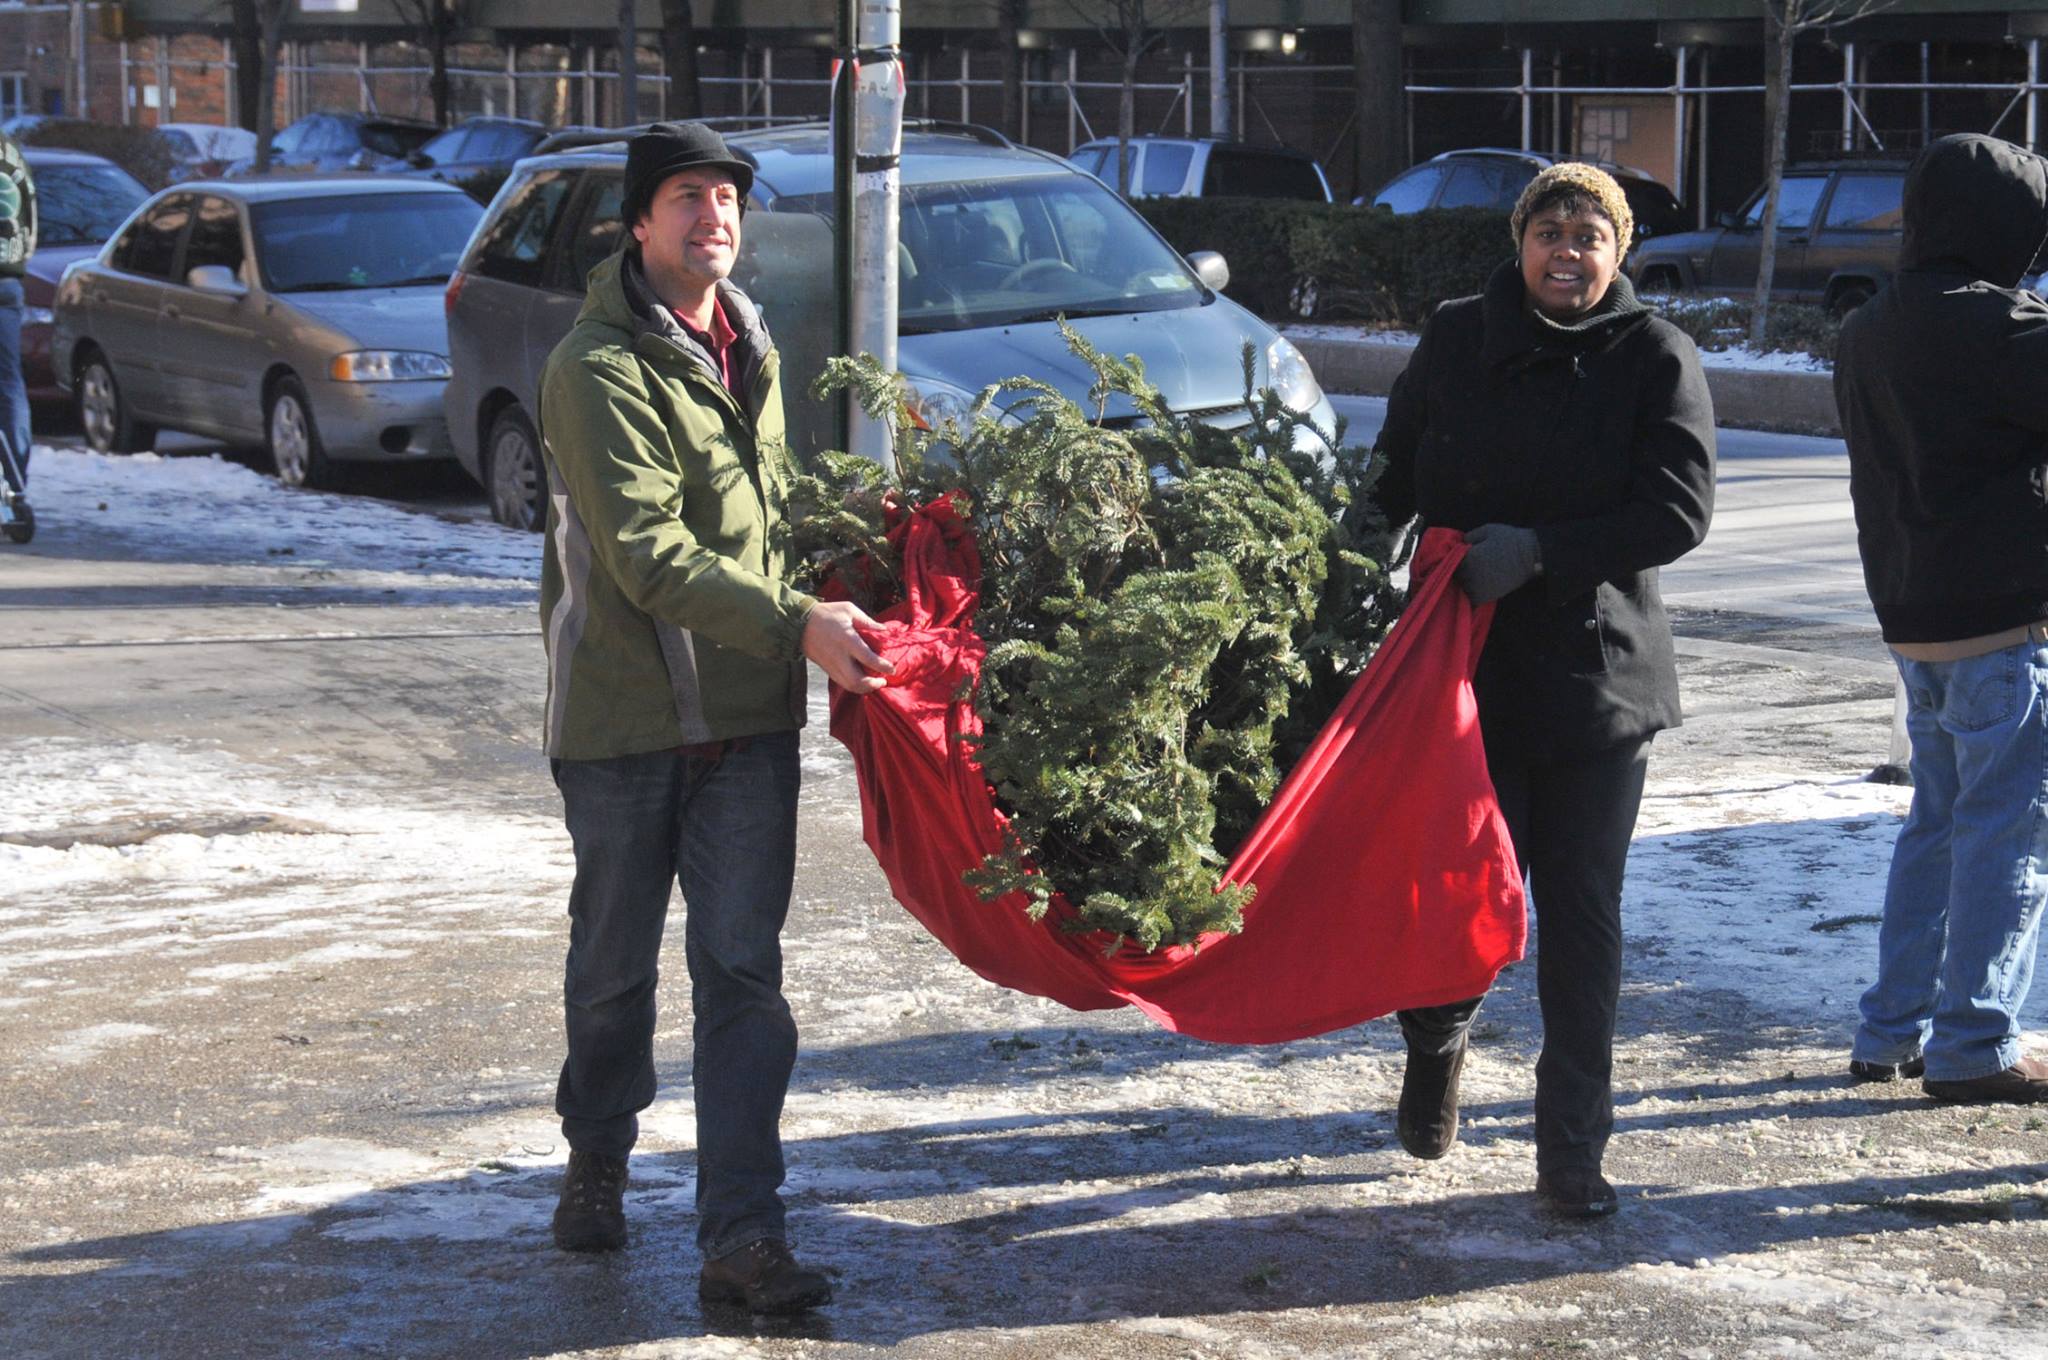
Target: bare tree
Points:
(1784, 21)
(270, 30)
(1131, 29)
(1379, 94)
(245, 37)
(1009, 33)
(629, 64)
(433, 27)
(679, 59)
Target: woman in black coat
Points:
(1568, 432)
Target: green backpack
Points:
(17, 210)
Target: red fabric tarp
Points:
(1385, 878)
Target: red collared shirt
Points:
(718, 340)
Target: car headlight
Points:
(1290, 377)
(37, 316)
(387, 365)
(933, 403)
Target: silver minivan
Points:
(997, 242)
(304, 315)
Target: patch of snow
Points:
(83, 1045)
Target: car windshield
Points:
(393, 139)
(385, 240)
(81, 205)
(997, 252)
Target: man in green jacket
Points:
(676, 686)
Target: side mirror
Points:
(214, 278)
(418, 159)
(1210, 269)
(1726, 219)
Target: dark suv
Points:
(1839, 226)
(1494, 178)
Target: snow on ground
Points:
(1734, 356)
(982, 1169)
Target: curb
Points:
(1744, 399)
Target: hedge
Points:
(1335, 260)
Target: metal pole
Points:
(1678, 130)
(1527, 111)
(1556, 104)
(1237, 105)
(127, 86)
(82, 106)
(1848, 96)
(966, 74)
(877, 201)
(227, 74)
(1219, 69)
(768, 83)
(511, 80)
(2033, 93)
(842, 207)
(1926, 99)
(1705, 103)
(1073, 109)
(1187, 94)
(363, 78)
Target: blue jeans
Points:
(13, 390)
(725, 828)
(1962, 909)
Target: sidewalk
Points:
(280, 950)
(1770, 392)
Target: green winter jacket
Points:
(18, 216)
(664, 605)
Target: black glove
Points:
(1499, 558)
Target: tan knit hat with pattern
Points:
(1580, 178)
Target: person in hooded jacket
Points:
(1567, 431)
(1938, 383)
(676, 687)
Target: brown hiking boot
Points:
(591, 1215)
(2024, 1083)
(1427, 1119)
(763, 1278)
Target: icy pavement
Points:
(279, 1022)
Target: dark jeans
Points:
(1571, 822)
(725, 828)
(13, 389)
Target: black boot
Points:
(1577, 1192)
(591, 1215)
(1427, 1120)
(763, 1278)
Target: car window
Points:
(1472, 185)
(329, 243)
(1796, 201)
(216, 237)
(325, 137)
(448, 146)
(997, 252)
(1657, 211)
(1250, 174)
(82, 205)
(1166, 167)
(392, 139)
(286, 143)
(597, 227)
(150, 247)
(500, 143)
(1092, 158)
(1412, 191)
(514, 246)
(1866, 203)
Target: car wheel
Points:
(513, 474)
(1305, 296)
(1851, 296)
(292, 438)
(108, 425)
(1660, 281)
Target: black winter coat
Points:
(1600, 436)
(1939, 384)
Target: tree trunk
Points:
(439, 22)
(1774, 147)
(266, 88)
(679, 59)
(1220, 124)
(1009, 23)
(1773, 43)
(247, 44)
(1379, 95)
(628, 108)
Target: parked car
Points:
(1839, 228)
(343, 141)
(202, 150)
(1205, 167)
(997, 241)
(81, 200)
(300, 314)
(1491, 177)
(471, 147)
